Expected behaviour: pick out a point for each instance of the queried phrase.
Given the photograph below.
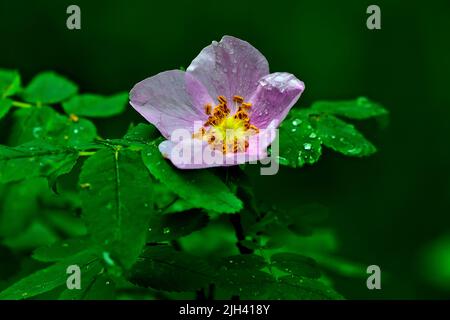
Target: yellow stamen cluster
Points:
(225, 132)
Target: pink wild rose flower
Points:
(226, 102)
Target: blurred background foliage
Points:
(391, 209)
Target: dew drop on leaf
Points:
(37, 131)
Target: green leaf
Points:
(243, 261)
(163, 268)
(65, 222)
(97, 286)
(295, 264)
(175, 225)
(46, 279)
(299, 142)
(360, 108)
(342, 137)
(5, 106)
(36, 235)
(45, 123)
(35, 159)
(20, 205)
(246, 283)
(92, 105)
(298, 288)
(9, 83)
(141, 133)
(241, 275)
(61, 250)
(117, 201)
(179, 206)
(49, 87)
(200, 187)
(89, 278)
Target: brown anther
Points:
(199, 135)
(238, 99)
(209, 122)
(235, 145)
(211, 139)
(222, 99)
(246, 144)
(253, 127)
(208, 109)
(246, 126)
(224, 148)
(218, 113)
(246, 105)
(241, 115)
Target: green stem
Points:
(19, 104)
(86, 153)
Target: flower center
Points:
(226, 132)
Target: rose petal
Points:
(190, 153)
(274, 97)
(229, 67)
(171, 100)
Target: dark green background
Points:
(385, 209)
